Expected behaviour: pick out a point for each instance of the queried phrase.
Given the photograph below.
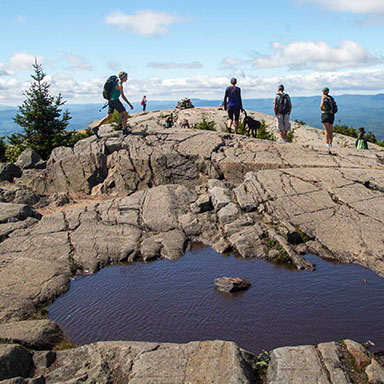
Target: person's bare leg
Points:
(229, 124)
(326, 132)
(102, 121)
(124, 114)
(330, 133)
(236, 124)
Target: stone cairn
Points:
(184, 104)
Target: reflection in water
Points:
(175, 301)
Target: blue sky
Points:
(171, 50)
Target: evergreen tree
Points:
(3, 148)
(41, 117)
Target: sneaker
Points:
(283, 140)
(126, 131)
(95, 130)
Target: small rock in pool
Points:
(232, 284)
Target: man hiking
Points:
(282, 107)
(144, 103)
(232, 102)
(328, 109)
(115, 103)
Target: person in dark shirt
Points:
(232, 102)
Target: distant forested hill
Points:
(354, 110)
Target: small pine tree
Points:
(3, 148)
(41, 117)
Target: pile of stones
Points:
(184, 104)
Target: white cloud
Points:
(317, 55)
(354, 6)
(230, 62)
(145, 22)
(22, 60)
(170, 65)
(203, 86)
(4, 71)
(78, 63)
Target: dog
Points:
(250, 125)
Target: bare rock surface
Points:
(30, 159)
(375, 373)
(232, 284)
(37, 334)
(9, 171)
(155, 191)
(14, 361)
(133, 362)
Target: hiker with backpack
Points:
(113, 89)
(361, 142)
(144, 103)
(233, 102)
(328, 109)
(282, 107)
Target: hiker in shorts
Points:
(115, 103)
(282, 107)
(327, 116)
(144, 103)
(232, 102)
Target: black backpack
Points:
(283, 104)
(109, 85)
(330, 104)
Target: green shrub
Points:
(345, 130)
(116, 121)
(241, 130)
(12, 153)
(371, 137)
(206, 125)
(262, 132)
(350, 131)
(300, 122)
(381, 143)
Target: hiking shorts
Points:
(234, 111)
(327, 118)
(115, 104)
(283, 123)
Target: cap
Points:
(325, 90)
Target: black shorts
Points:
(327, 118)
(234, 111)
(115, 104)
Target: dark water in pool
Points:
(175, 301)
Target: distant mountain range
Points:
(354, 110)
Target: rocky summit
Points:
(151, 194)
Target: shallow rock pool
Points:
(176, 301)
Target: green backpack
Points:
(360, 144)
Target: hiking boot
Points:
(95, 130)
(126, 131)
